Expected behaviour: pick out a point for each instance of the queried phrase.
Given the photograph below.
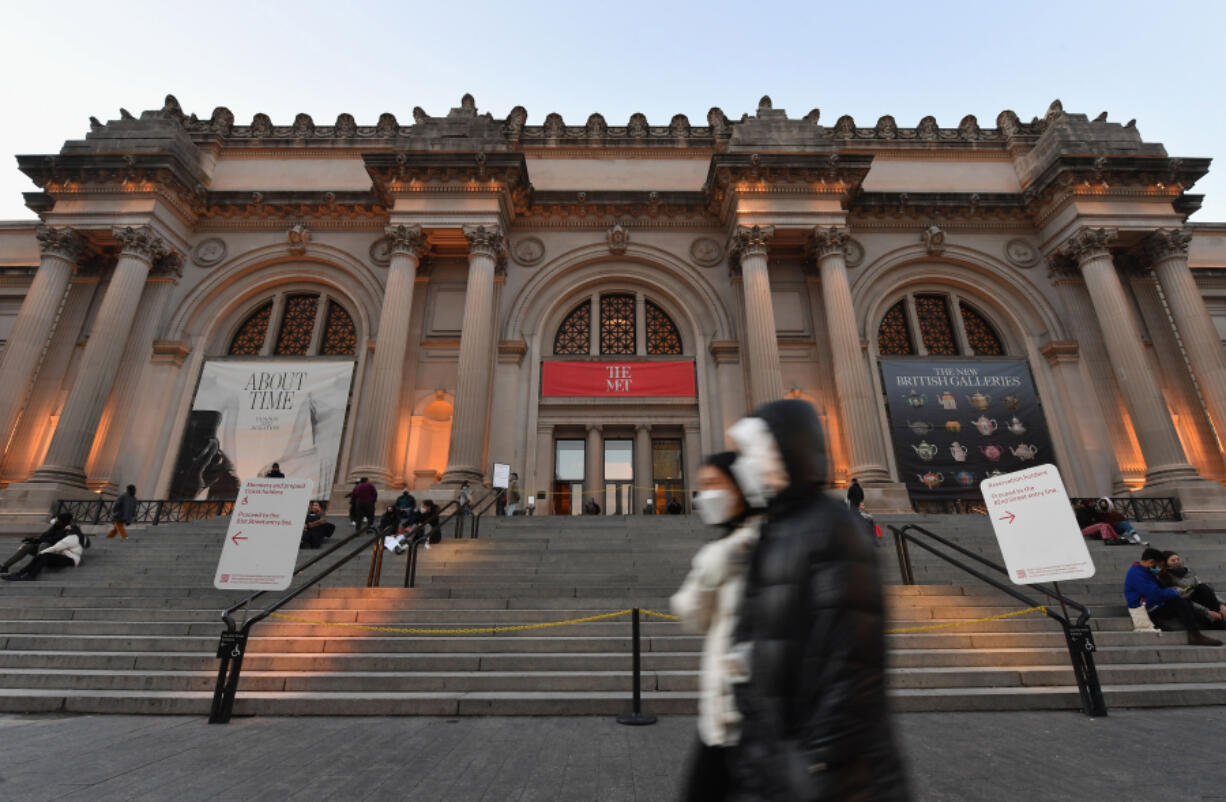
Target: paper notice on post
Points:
(1035, 526)
(265, 531)
(502, 476)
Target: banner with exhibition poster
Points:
(956, 422)
(248, 414)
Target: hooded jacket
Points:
(815, 722)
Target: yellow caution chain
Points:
(603, 617)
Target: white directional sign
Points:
(1035, 526)
(265, 531)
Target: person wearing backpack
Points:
(123, 512)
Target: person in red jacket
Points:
(365, 496)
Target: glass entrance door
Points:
(618, 477)
(568, 477)
(666, 476)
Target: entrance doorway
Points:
(568, 477)
(666, 474)
(618, 477)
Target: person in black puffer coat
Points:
(812, 628)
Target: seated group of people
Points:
(60, 546)
(1160, 588)
(1102, 520)
(412, 524)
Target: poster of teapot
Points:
(955, 422)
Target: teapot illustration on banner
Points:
(964, 478)
(1024, 451)
(979, 400)
(1016, 427)
(953, 426)
(958, 451)
(915, 399)
(985, 425)
(931, 479)
(920, 427)
(925, 450)
(1012, 402)
(992, 452)
(947, 400)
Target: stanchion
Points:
(636, 717)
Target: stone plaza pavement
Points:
(1031, 756)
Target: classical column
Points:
(1168, 250)
(543, 480)
(593, 474)
(851, 379)
(642, 466)
(61, 248)
(468, 425)
(382, 404)
(691, 460)
(765, 376)
(1164, 457)
(74, 435)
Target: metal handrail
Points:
(1079, 636)
(1141, 508)
(410, 563)
(233, 643)
(487, 501)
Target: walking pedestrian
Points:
(855, 495)
(123, 512)
(815, 721)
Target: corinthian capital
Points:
(140, 242)
(750, 241)
(828, 241)
(63, 242)
(1166, 243)
(1089, 243)
(484, 241)
(408, 240)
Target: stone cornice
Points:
(290, 205)
(408, 171)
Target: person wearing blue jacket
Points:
(1167, 607)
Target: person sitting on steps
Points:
(60, 528)
(427, 530)
(1108, 514)
(65, 552)
(317, 529)
(1207, 604)
(1168, 608)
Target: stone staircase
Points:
(134, 629)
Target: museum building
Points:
(593, 305)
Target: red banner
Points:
(572, 379)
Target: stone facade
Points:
(459, 246)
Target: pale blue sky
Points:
(1161, 63)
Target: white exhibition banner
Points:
(265, 531)
(1035, 526)
(248, 414)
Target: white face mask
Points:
(715, 506)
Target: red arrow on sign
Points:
(236, 537)
(1008, 516)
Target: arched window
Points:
(936, 324)
(301, 324)
(617, 324)
(575, 334)
(617, 328)
(662, 334)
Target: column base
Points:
(886, 498)
(27, 506)
(456, 474)
(1198, 499)
(379, 477)
(55, 474)
(1179, 473)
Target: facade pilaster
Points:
(851, 379)
(593, 473)
(380, 417)
(642, 467)
(749, 245)
(543, 480)
(1168, 252)
(476, 356)
(1151, 420)
(692, 456)
(61, 249)
(74, 435)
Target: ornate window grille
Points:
(340, 336)
(893, 335)
(297, 325)
(617, 324)
(249, 340)
(575, 334)
(979, 333)
(936, 326)
(662, 334)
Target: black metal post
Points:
(410, 566)
(232, 647)
(636, 717)
(374, 558)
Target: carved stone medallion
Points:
(528, 250)
(853, 253)
(209, 252)
(299, 237)
(618, 239)
(380, 253)
(706, 252)
(1021, 253)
